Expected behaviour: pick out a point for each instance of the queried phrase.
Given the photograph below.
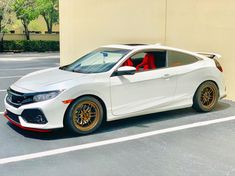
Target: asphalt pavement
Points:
(180, 143)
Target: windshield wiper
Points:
(63, 67)
(76, 70)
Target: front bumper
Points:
(53, 111)
(12, 121)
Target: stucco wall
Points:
(87, 24)
(205, 26)
(190, 24)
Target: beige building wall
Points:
(87, 24)
(190, 24)
(205, 26)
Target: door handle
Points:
(166, 76)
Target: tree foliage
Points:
(5, 14)
(26, 11)
(49, 10)
(5, 19)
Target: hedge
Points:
(31, 46)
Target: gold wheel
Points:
(208, 97)
(86, 115)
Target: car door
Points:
(148, 91)
(188, 75)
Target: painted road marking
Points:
(21, 58)
(1, 113)
(3, 90)
(111, 141)
(8, 77)
(30, 68)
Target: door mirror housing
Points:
(125, 70)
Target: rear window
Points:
(177, 59)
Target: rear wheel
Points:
(206, 97)
(84, 116)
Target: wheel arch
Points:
(89, 95)
(210, 80)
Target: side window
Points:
(138, 58)
(149, 60)
(177, 59)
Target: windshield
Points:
(98, 61)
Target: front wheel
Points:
(84, 116)
(206, 97)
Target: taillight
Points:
(218, 65)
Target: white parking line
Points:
(3, 90)
(31, 68)
(111, 141)
(1, 113)
(8, 77)
(27, 58)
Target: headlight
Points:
(45, 96)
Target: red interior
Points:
(128, 62)
(147, 63)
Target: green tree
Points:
(26, 11)
(5, 18)
(49, 9)
(1, 18)
(3, 7)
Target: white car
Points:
(115, 82)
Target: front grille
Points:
(13, 116)
(17, 99)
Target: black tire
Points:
(206, 97)
(84, 116)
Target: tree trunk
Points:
(26, 29)
(0, 24)
(2, 42)
(50, 28)
(1, 35)
(49, 24)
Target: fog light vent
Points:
(34, 116)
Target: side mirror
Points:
(125, 70)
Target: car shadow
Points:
(139, 121)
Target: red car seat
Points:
(128, 62)
(147, 63)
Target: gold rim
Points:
(208, 97)
(86, 115)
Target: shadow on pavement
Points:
(140, 121)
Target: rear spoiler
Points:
(210, 55)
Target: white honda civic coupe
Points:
(115, 82)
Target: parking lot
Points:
(179, 143)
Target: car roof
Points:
(131, 46)
(137, 47)
(145, 46)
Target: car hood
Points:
(48, 79)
